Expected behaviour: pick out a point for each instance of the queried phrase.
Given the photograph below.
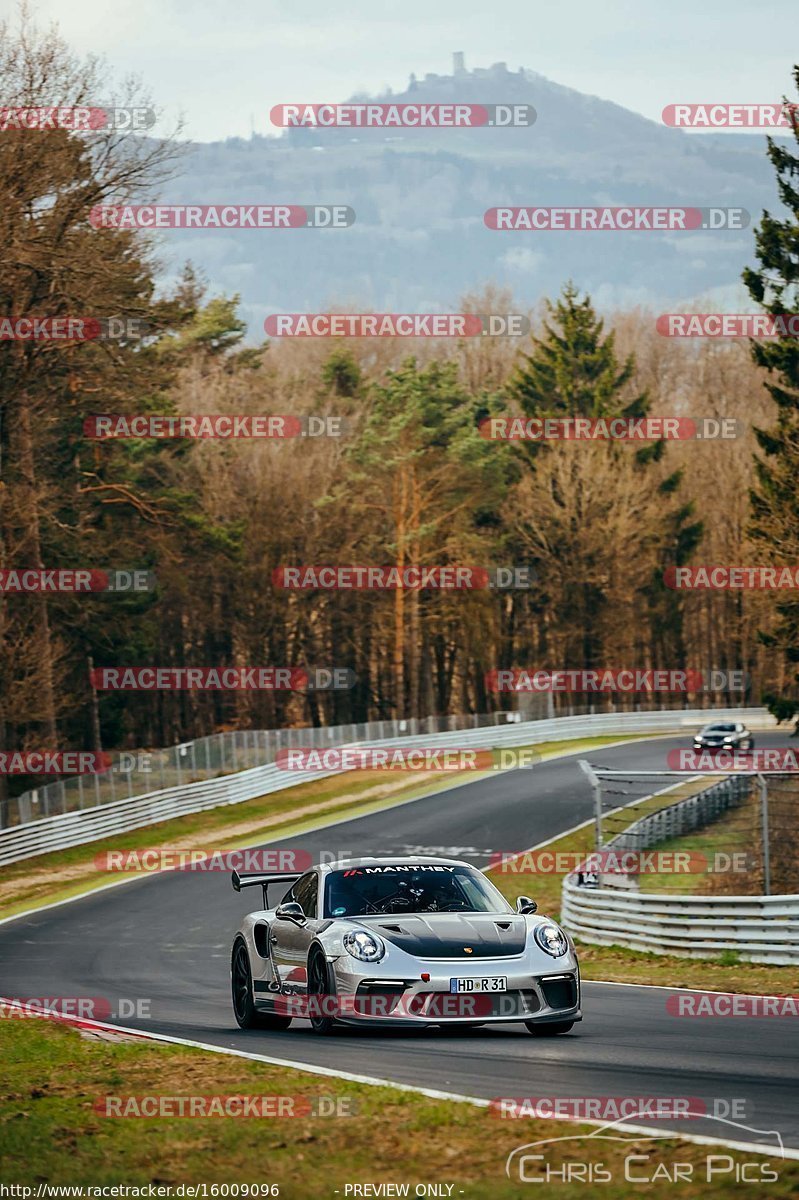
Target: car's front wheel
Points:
(549, 1028)
(246, 1014)
(321, 994)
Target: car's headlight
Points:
(551, 938)
(363, 945)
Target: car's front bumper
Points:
(366, 995)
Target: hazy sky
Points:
(224, 65)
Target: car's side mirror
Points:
(525, 905)
(290, 910)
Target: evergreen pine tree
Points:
(574, 371)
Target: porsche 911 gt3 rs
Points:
(399, 941)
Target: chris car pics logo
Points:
(651, 1156)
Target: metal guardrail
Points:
(759, 929)
(64, 830)
(138, 773)
(684, 816)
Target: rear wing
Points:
(243, 879)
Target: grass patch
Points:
(63, 874)
(731, 834)
(51, 1133)
(619, 964)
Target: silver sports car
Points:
(399, 941)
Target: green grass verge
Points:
(50, 1131)
(730, 834)
(62, 874)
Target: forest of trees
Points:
(412, 480)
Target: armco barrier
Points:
(684, 816)
(99, 821)
(760, 929)
(139, 772)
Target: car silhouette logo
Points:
(620, 1131)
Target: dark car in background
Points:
(724, 735)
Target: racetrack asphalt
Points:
(166, 938)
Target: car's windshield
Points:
(410, 888)
(719, 729)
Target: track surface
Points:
(167, 938)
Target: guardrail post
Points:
(761, 779)
(596, 784)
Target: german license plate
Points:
(488, 983)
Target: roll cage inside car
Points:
(411, 888)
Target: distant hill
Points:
(419, 240)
